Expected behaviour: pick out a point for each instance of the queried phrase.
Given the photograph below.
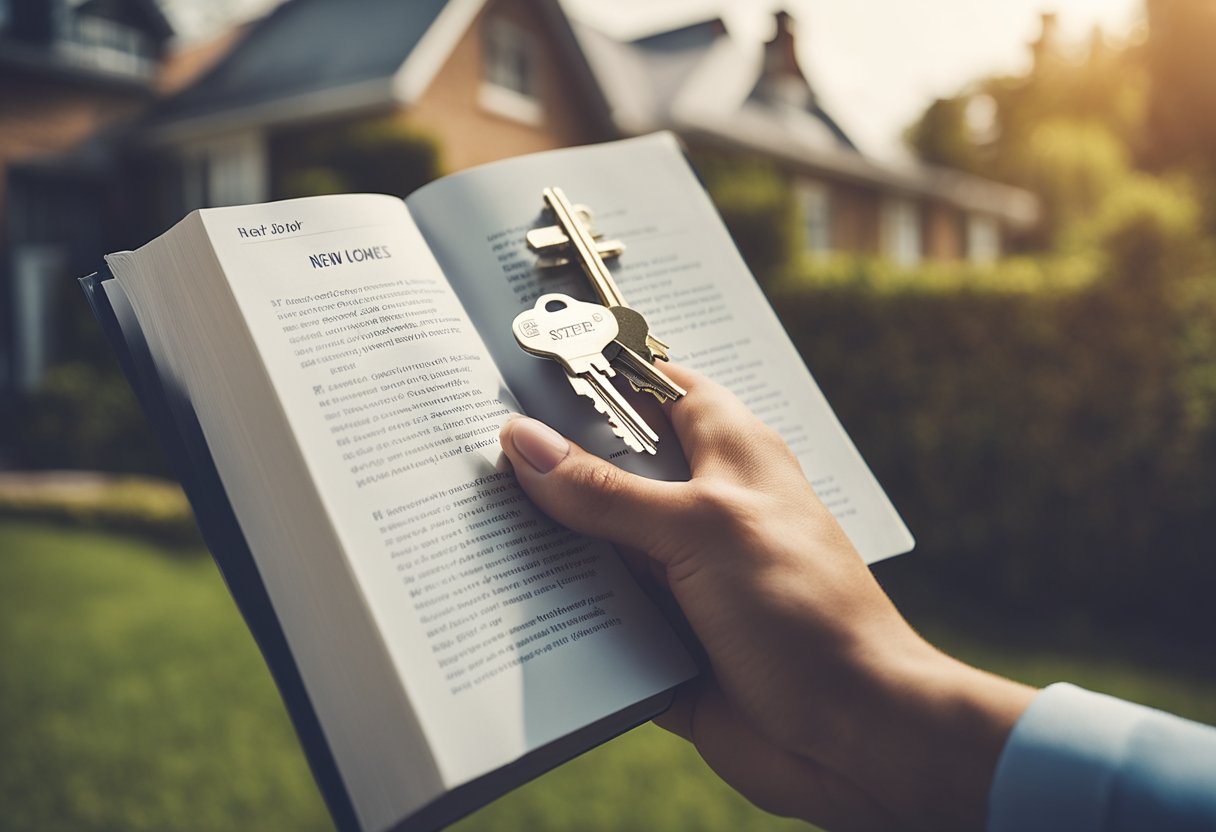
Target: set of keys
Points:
(594, 342)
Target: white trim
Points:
(37, 270)
(815, 221)
(719, 84)
(983, 240)
(236, 168)
(429, 54)
(510, 104)
(901, 233)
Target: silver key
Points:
(574, 334)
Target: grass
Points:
(131, 697)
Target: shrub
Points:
(757, 206)
(1050, 442)
(152, 508)
(86, 417)
(382, 155)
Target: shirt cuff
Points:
(1086, 762)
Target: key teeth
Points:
(658, 394)
(618, 429)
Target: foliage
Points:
(151, 508)
(84, 416)
(382, 155)
(1052, 448)
(1073, 167)
(942, 135)
(134, 699)
(757, 206)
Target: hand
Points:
(824, 704)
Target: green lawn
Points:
(131, 697)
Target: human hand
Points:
(824, 703)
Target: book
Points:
(329, 375)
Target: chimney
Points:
(1044, 49)
(782, 81)
(780, 53)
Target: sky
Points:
(876, 64)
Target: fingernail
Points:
(540, 445)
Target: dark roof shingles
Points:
(308, 46)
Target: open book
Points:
(333, 373)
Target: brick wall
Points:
(943, 232)
(855, 218)
(470, 134)
(43, 117)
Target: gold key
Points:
(572, 238)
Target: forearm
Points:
(923, 732)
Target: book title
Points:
(269, 229)
(326, 259)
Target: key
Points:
(636, 348)
(575, 334)
(641, 374)
(575, 238)
(644, 376)
(554, 239)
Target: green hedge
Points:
(1046, 427)
(149, 507)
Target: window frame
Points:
(509, 84)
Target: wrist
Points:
(933, 733)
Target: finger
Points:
(715, 428)
(589, 494)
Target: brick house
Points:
(69, 71)
(718, 91)
(500, 78)
(487, 78)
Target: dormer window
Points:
(508, 71)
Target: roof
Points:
(652, 82)
(702, 81)
(312, 59)
(305, 47)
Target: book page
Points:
(681, 269)
(507, 630)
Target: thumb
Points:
(586, 493)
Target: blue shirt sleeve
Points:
(1086, 762)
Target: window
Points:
(983, 239)
(508, 72)
(901, 231)
(37, 271)
(814, 201)
(107, 44)
(226, 171)
(508, 58)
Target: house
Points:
(486, 78)
(69, 71)
(500, 78)
(719, 92)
